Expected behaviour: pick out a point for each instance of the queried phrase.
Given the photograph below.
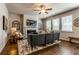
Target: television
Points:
(31, 23)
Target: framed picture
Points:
(16, 24)
(31, 23)
(76, 22)
(4, 23)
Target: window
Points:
(55, 24)
(67, 23)
(48, 25)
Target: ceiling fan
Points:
(42, 9)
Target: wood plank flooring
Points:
(10, 49)
(64, 48)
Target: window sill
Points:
(67, 31)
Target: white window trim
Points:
(62, 24)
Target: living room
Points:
(39, 29)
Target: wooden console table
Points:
(14, 39)
(72, 37)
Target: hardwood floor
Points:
(10, 49)
(64, 48)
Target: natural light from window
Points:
(55, 24)
(67, 23)
(48, 25)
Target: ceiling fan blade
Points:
(46, 12)
(36, 10)
(49, 9)
(40, 13)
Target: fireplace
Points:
(31, 32)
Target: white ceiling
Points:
(27, 8)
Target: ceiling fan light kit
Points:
(43, 9)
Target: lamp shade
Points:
(13, 29)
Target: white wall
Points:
(3, 34)
(75, 32)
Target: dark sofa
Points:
(42, 39)
(49, 38)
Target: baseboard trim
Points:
(68, 41)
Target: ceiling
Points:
(28, 8)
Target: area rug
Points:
(25, 49)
